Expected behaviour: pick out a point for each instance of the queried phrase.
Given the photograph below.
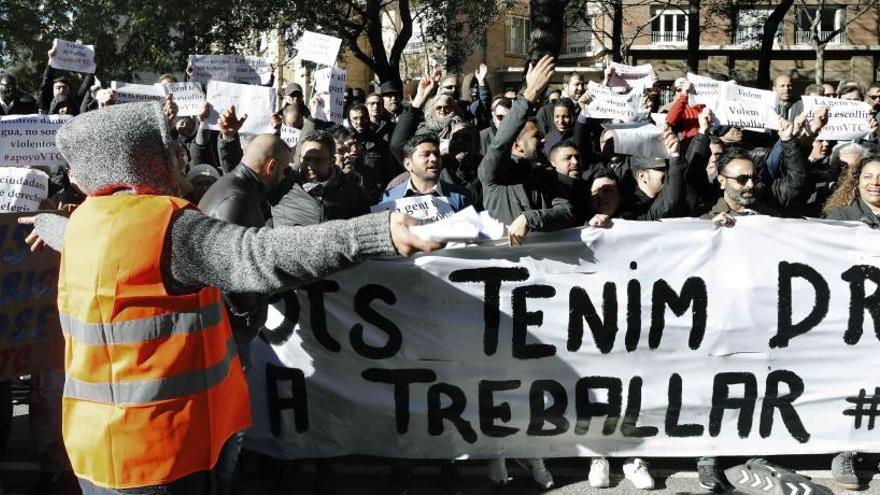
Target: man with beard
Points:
(13, 101)
(574, 88)
(319, 191)
(391, 98)
(518, 189)
(377, 166)
(737, 177)
(563, 123)
(422, 161)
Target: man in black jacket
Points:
(239, 197)
(519, 190)
(659, 190)
(319, 192)
(13, 101)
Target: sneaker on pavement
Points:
(538, 473)
(497, 471)
(600, 473)
(710, 477)
(844, 471)
(636, 471)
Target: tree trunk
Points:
(545, 37)
(617, 31)
(820, 63)
(693, 37)
(769, 34)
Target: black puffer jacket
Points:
(340, 198)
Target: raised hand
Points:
(820, 118)
(229, 123)
(538, 77)
(670, 141)
(480, 74)
(705, 119)
(426, 88)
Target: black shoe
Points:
(711, 478)
(401, 472)
(55, 483)
(449, 478)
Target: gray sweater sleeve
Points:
(204, 251)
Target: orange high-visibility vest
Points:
(154, 387)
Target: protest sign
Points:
(330, 85)
(239, 69)
(847, 119)
(426, 207)
(29, 140)
(290, 135)
(318, 48)
(136, 93)
(746, 107)
(584, 342)
(74, 57)
(188, 95)
(257, 102)
(638, 139)
(606, 104)
(30, 332)
(707, 91)
(637, 77)
(22, 189)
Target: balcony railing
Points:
(803, 37)
(576, 50)
(668, 37)
(751, 36)
(414, 46)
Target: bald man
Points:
(785, 96)
(239, 197)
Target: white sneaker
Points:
(497, 472)
(600, 473)
(636, 470)
(538, 473)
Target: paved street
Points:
(369, 476)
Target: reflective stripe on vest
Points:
(147, 391)
(141, 330)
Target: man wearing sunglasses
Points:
(744, 193)
(500, 108)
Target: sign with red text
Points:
(74, 57)
(847, 119)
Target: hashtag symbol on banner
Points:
(864, 405)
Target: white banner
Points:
(330, 84)
(639, 139)
(257, 102)
(318, 48)
(29, 140)
(290, 135)
(703, 341)
(22, 189)
(606, 104)
(188, 95)
(746, 107)
(425, 207)
(74, 57)
(847, 119)
(707, 91)
(239, 69)
(136, 93)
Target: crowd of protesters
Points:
(532, 158)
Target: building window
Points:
(669, 26)
(750, 27)
(518, 29)
(578, 39)
(830, 19)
